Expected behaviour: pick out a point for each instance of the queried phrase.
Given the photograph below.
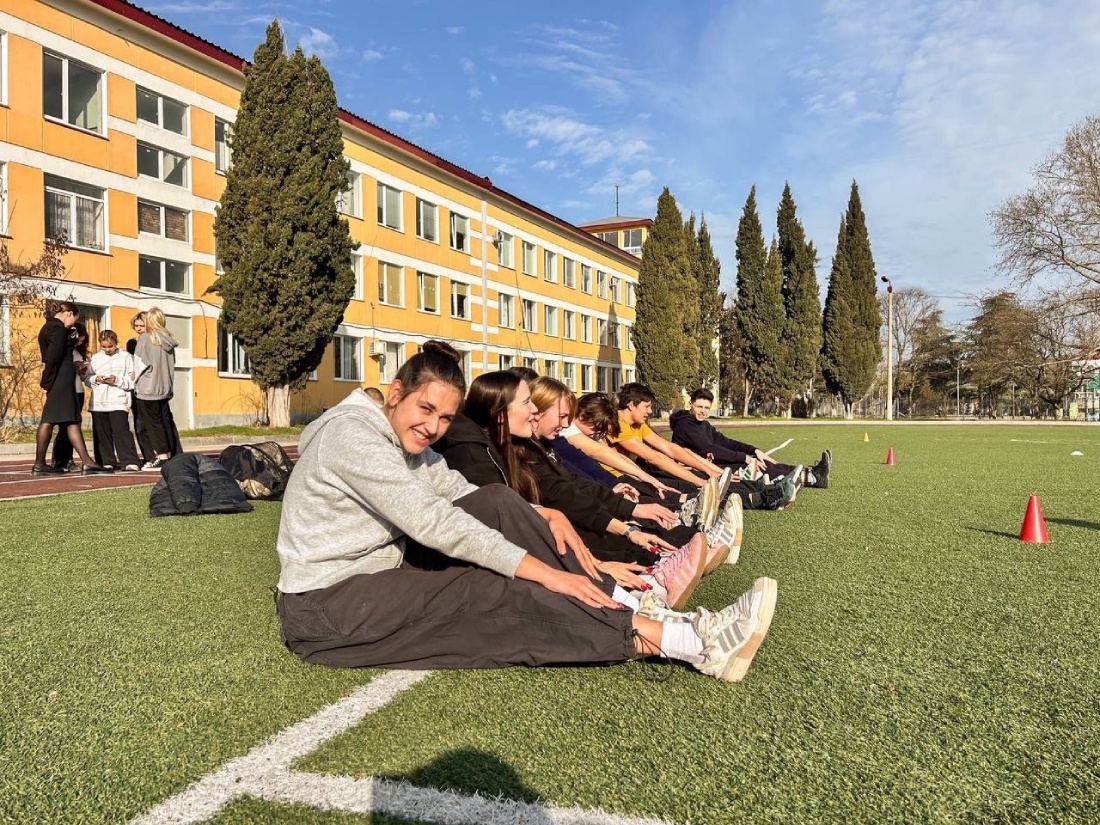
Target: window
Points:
(507, 312)
(569, 325)
(389, 206)
(616, 378)
(631, 298)
(550, 321)
(610, 237)
(390, 361)
(3, 185)
(506, 362)
(529, 263)
(357, 271)
(426, 224)
(74, 211)
(506, 250)
(232, 359)
(601, 283)
(349, 201)
(568, 278)
(586, 329)
(72, 93)
(161, 111)
(390, 285)
(632, 241)
(223, 157)
(157, 219)
(586, 378)
(603, 379)
(550, 368)
(614, 289)
(629, 334)
(531, 363)
(347, 358)
(530, 319)
(613, 333)
(161, 275)
(460, 232)
(549, 266)
(601, 332)
(427, 287)
(569, 374)
(460, 300)
(3, 68)
(154, 162)
(586, 279)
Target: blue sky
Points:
(939, 109)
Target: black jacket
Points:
(586, 503)
(56, 346)
(701, 438)
(193, 484)
(467, 449)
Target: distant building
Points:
(627, 234)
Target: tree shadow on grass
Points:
(470, 771)
(1076, 522)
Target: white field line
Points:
(1028, 441)
(780, 447)
(264, 773)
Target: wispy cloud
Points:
(372, 55)
(320, 43)
(587, 55)
(587, 143)
(452, 30)
(413, 120)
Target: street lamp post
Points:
(889, 348)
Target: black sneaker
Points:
(822, 469)
(45, 470)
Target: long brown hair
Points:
(487, 406)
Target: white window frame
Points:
(460, 228)
(586, 329)
(612, 333)
(630, 234)
(3, 68)
(223, 154)
(506, 311)
(586, 378)
(586, 279)
(164, 222)
(529, 315)
(609, 237)
(601, 332)
(233, 361)
(421, 279)
(569, 325)
(384, 297)
(460, 290)
(629, 333)
(569, 374)
(506, 251)
(101, 91)
(391, 361)
(394, 222)
(550, 321)
(161, 152)
(530, 261)
(531, 363)
(342, 347)
(568, 273)
(631, 294)
(549, 266)
(160, 111)
(357, 271)
(505, 362)
(162, 289)
(615, 291)
(56, 185)
(550, 368)
(601, 284)
(424, 209)
(349, 202)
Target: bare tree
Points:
(1054, 227)
(1065, 333)
(912, 306)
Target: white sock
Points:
(680, 641)
(623, 597)
(657, 587)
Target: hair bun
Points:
(442, 348)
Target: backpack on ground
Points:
(261, 470)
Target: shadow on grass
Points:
(469, 771)
(1000, 533)
(1076, 522)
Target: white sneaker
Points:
(732, 636)
(652, 606)
(729, 529)
(724, 483)
(709, 502)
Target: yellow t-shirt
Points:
(627, 432)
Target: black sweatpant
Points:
(111, 438)
(435, 612)
(156, 428)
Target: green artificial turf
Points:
(923, 664)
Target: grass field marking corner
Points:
(264, 773)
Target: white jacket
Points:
(110, 397)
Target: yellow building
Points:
(113, 127)
(627, 234)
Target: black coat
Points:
(702, 439)
(467, 449)
(194, 484)
(586, 503)
(56, 347)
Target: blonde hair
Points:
(154, 325)
(546, 392)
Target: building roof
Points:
(170, 30)
(615, 222)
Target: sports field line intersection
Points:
(264, 773)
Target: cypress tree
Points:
(666, 314)
(759, 312)
(850, 335)
(711, 301)
(285, 250)
(695, 264)
(800, 342)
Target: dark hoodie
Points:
(702, 439)
(467, 449)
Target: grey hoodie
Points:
(155, 383)
(355, 494)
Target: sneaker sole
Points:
(696, 577)
(720, 555)
(709, 505)
(739, 520)
(739, 665)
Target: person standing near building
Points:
(62, 457)
(157, 349)
(110, 376)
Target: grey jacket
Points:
(155, 383)
(355, 494)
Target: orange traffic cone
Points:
(866, 437)
(1034, 529)
(890, 460)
